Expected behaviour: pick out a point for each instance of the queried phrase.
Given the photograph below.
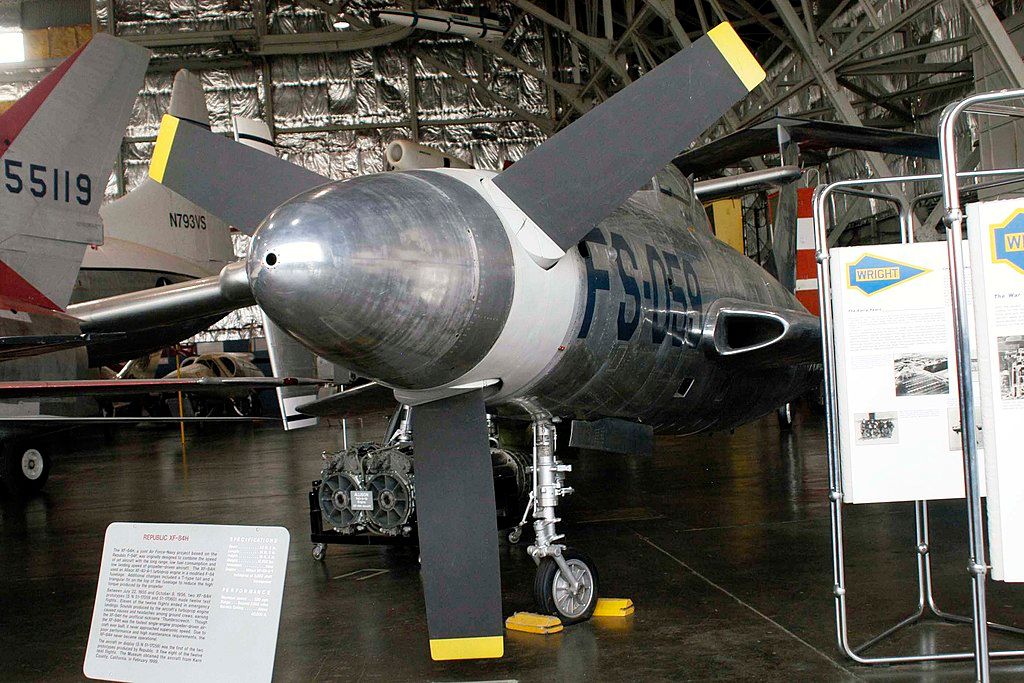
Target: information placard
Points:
(996, 230)
(895, 367)
(187, 602)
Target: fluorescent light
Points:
(12, 46)
(341, 24)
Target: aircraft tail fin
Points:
(784, 225)
(254, 133)
(187, 99)
(152, 216)
(57, 148)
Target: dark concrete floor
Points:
(722, 541)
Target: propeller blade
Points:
(458, 530)
(238, 184)
(587, 170)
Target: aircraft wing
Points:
(119, 387)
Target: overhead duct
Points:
(404, 155)
(745, 183)
(446, 22)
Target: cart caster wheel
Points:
(554, 595)
(24, 467)
(785, 415)
(515, 535)
(319, 552)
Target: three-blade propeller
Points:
(565, 187)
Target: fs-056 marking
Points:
(670, 285)
(42, 181)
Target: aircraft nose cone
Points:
(405, 278)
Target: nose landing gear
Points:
(566, 581)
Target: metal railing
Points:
(926, 603)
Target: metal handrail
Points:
(954, 220)
(926, 599)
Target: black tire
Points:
(785, 415)
(544, 587)
(24, 467)
(246, 406)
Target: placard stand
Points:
(954, 219)
(926, 604)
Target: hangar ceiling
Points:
(336, 84)
(893, 63)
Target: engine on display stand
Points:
(366, 493)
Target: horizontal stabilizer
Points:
(587, 170)
(761, 335)
(237, 183)
(118, 387)
(254, 133)
(34, 345)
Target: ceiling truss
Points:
(863, 57)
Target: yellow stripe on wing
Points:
(164, 141)
(483, 647)
(731, 46)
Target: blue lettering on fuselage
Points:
(673, 291)
(596, 279)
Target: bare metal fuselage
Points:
(654, 270)
(415, 280)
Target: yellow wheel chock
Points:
(528, 622)
(613, 607)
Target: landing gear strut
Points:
(785, 416)
(566, 583)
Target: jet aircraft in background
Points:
(558, 289)
(58, 145)
(151, 236)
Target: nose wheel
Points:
(566, 582)
(555, 594)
